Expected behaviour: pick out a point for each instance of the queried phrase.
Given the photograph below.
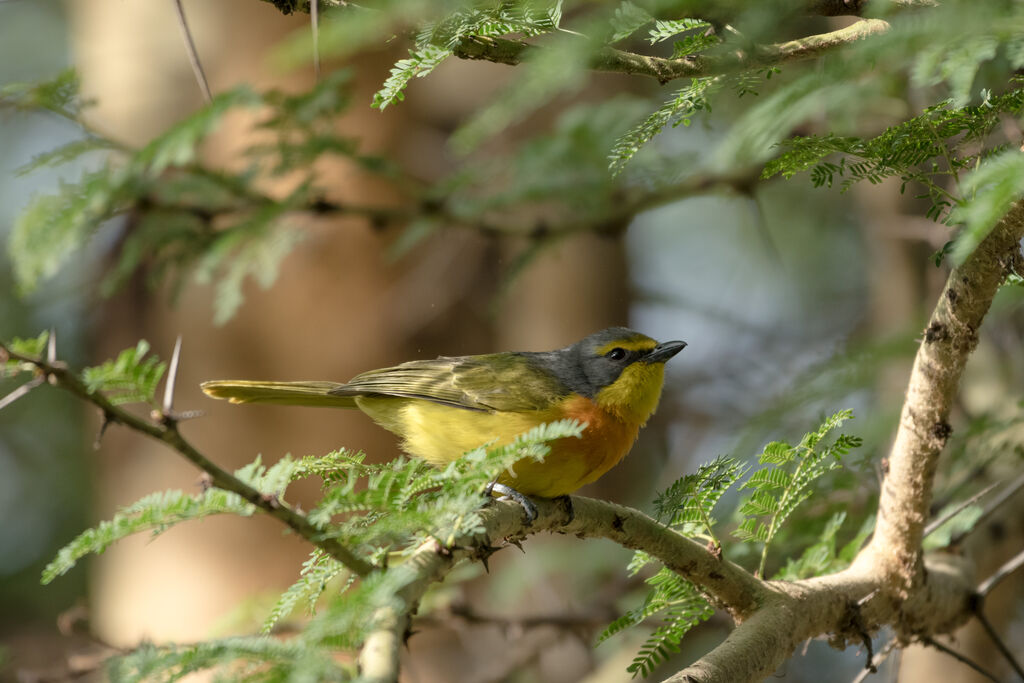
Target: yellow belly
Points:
(439, 434)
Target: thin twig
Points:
(991, 582)
(959, 657)
(880, 657)
(193, 54)
(167, 432)
(511, 52)
(1011, 490)
(314, 20)
(20, 391)
(1000, 645)
(936, 523)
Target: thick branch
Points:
(824, 8)
(512, 52)
(950, 337)
(725, 583)
(167, 432)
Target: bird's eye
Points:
(616, 354)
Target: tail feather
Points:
(311, 393)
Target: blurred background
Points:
(795, 303)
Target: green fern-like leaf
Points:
(685, 613)
(235, 659)
(777, 490)
(155, 513)
(690, 501)
(179, 145)
(682, 607)
(993, 188)
(66, 153)
(823, 556)
(418, 64)
(60, 94)
(316, 572)
(679, 109)
(777, 453)
(54, 227)
(665, 29)
(33, 347)
(693, 44)
(437, 40)
(391, 505)
(130, 378)
(627, 19)
(943, 141)
(254, 247)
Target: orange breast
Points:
(575, 462)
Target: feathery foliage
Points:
(680, 606)
(191, 219)
(155, 513)
(317, 572)
(680, 109)
(437, 40)
(130, 378)
(176, 217)
(688, 503)
(825, 556)
(32, 347)
(688, 507)
(237, 659)
(947, 151)
(779, 489)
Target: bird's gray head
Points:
(597, 361)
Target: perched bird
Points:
(443, 408)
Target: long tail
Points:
(280, 393)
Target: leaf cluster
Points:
(778, 487)
(675, 602)
(130, 378)
(437, 40)
(179, 216)
(933, 151)
(825, 556)
(32, 347)
(777, 490)
(688, 503)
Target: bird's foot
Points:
(507, 492)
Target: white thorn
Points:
(51, 346)
(172, 376)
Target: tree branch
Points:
(855, 8)
(512, 52)
(950, 337)
(166, 431)
(727, 584)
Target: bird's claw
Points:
(529, 509)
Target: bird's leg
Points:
(529, 509)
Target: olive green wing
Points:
(498, 381)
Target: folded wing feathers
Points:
(472, 382)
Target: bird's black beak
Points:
(665, 350)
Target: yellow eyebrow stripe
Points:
(629, 345)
